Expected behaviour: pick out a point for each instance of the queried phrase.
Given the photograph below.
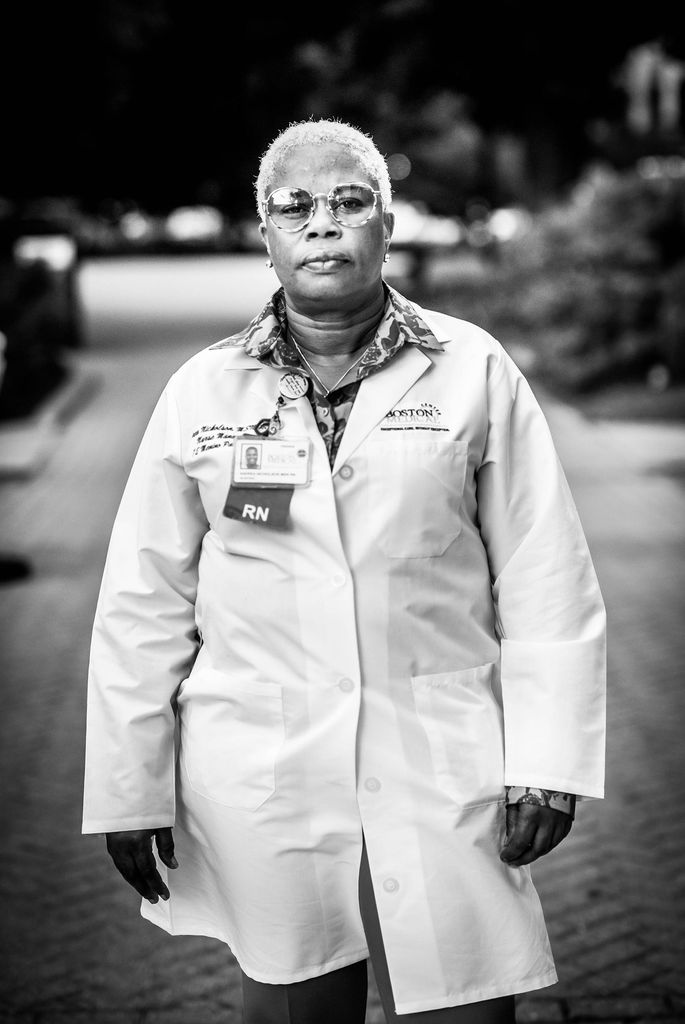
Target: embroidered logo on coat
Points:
(425, 416)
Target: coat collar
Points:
(266, 339)
(404, 346)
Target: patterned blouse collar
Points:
(267, 339)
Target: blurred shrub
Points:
(593, 290)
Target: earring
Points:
(269, 264)
(386, 257)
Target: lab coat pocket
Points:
(231, 733)
(415, 493)
(463, 725)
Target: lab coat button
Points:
(346, 472)
(391, 885)
(346, 685)
(339, 579)
(373, 785)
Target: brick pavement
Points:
(74, 949)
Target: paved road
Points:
(73, 946)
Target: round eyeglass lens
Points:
(289, 208)
(352, 204)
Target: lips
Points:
(324, 257)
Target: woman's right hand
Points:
(133, 857)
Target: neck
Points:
(330, 340)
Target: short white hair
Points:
(323, 132)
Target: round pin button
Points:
(293, 385)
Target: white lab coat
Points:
(429, 629)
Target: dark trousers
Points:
(339, 997)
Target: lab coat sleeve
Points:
(549, 608)
(144, 638)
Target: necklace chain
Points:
(326, 391)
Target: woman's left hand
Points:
(532, 831)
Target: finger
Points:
(147, 869)
(521, 827)
(165, 847)
(536, 848)
(127, 867)
(512, 813)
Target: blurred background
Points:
(537, 153)
(537, 156)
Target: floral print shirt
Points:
(267, 339)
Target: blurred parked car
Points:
(40, 313)
(417, 228)
(199, 228)
(140, 231)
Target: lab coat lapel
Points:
(378, 394)
(264, 385)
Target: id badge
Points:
(272, 462)
(265, 473)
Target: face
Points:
(327, 265)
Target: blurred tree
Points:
(518, 71)
(591, 290)
(162, 100)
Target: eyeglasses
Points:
(350, 204)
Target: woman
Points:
(322, 665)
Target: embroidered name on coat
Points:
(215, 435)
